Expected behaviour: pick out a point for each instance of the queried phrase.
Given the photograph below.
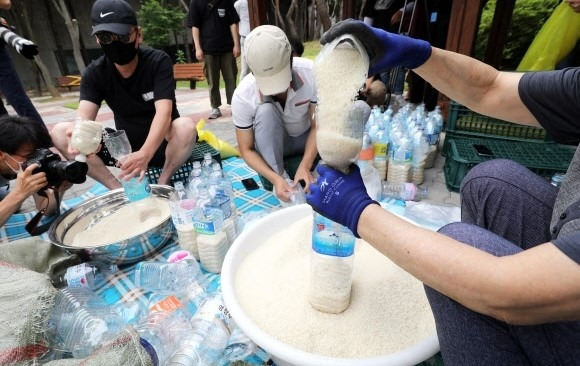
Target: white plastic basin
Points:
(284, 354)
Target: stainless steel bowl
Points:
(83, 216)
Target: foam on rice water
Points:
(340, 71)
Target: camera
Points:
(57, 170)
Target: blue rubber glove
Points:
(339, 197)
(386, 50)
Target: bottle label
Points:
(167, 305)
(210, 222)
(328, 240)
(76, 276)
(381, 149)
(367, 154)
(214, 308)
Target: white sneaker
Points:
(215, 113)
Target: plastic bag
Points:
(226, 150)
(554, 41)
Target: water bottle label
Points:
(366, 154)
(329, 241)
(76, 276)
(167, 305)
(215, 308)
(150, 351)
(380, 149)
(210, 223)
(432, 138)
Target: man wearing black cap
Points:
(138, 85)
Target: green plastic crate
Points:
(544, 159)
(463, 122)
(182, 174)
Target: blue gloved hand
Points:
(340, 197)
(386, 50)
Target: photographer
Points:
(19, 139)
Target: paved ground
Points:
(195, 104)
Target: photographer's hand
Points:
(28, 183)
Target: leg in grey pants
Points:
(271, 139)
(505, 209)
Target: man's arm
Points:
(236, 37)
(535, 286)
(137, 162)
(198, 50)
(476, 85)
(310, 152)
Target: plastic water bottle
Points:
(197, 289)
(196, 178)
(212, 326)
(381, 148)
(239, 347)
(182, 206)
(331, 265)
(207, 164)
(405, 191)
(222, 197)
(88, 274)
(135, 189)
(557, 179)
(81, 322)
(400, 163)
(367, 154)
(212, 241)
(165, 277)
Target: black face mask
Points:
(119, 52)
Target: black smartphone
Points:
(250, 184)
(482, 150)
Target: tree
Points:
(158, 21)
(73, 30)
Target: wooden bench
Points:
(192, 72)
(68, 81)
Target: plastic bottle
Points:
(239, 347)
(212, 241)
(297, 195)
(331, 265)
(381, 148)
(87, 274)
(212, 326)
(222, 194)
(137, 190)
(207, 164)
(166, 277)
(182, 206)
(405, 191)
(81, 322)
(557, 179)
(400, 164)
(196, 178)
(367, 154)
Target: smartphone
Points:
(250, 184)
(482, 150)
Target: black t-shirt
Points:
(214, 25)
(381, 11)
(553, 97)
(132, 100)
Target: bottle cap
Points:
(179, 256)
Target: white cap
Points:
(268, 53)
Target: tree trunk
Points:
(279, 17)
(43, 69)
(73, 30)
(322, 8)
(291, 27)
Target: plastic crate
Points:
(182, 174)
(463, 122)
(543, 159)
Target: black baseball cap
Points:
(115, 16)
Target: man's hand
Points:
(134, 165)
(283, 190)
(236, 50)
(28, 183)
(305, 175)
(385, 50)
(340, 197)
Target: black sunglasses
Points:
(108, 38)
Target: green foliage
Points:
(180, 57)
(528, 18)
(158, 20)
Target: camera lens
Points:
(72, 171)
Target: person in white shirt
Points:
(243, 30)
(273, 110)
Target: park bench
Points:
(68, 81)
(192, 72)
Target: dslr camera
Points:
(57, 170)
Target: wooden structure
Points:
(68, 81)
(192, 72)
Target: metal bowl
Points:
(131, 250)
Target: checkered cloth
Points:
(120, 287)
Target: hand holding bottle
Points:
(386, 50)
(340, 197)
